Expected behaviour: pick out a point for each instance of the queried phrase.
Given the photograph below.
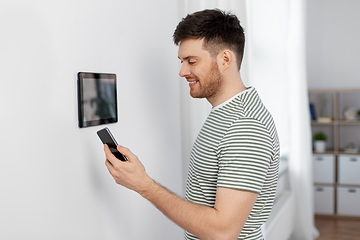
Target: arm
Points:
(224, 221)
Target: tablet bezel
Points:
(82, 76)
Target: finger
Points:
(110, 156)
(110, 168)
(108, 164)
(126, 152)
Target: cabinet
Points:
(324, 199)
(348, 201)
(324, 167)
(349, 169)
(337, 169)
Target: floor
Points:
(338, 229)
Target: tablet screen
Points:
(97, 99)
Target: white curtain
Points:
(277, 68)
(301, 162)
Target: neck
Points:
(229, 89)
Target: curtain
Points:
(278, 70)
(300, 131)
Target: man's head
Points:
(219, 30)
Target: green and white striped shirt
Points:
(236, 148)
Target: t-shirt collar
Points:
(232, 98)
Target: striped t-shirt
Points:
(236, 148)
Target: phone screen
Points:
(107, 138)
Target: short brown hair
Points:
(219, 30)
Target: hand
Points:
(130, 174)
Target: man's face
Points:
(199, 69)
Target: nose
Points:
(184, 71)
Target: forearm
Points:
(202, 221)
(224, 221)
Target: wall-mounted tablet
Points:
(97, 99)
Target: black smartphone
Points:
(107, 138)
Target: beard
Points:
(210, 86)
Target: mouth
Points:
(192, 82)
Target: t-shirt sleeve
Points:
(244, 154)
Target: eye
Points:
(191, 62)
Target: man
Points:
(234, 162)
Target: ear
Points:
(226, 59)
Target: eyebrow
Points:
(186, 58)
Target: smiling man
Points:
(234, 162)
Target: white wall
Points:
(53, 181)
(333, 52)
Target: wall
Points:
(53, 181)
(333, 44)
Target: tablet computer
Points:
(97, 99)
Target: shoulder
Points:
(248, 133)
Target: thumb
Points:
(126, 152)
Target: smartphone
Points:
(107, 138)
